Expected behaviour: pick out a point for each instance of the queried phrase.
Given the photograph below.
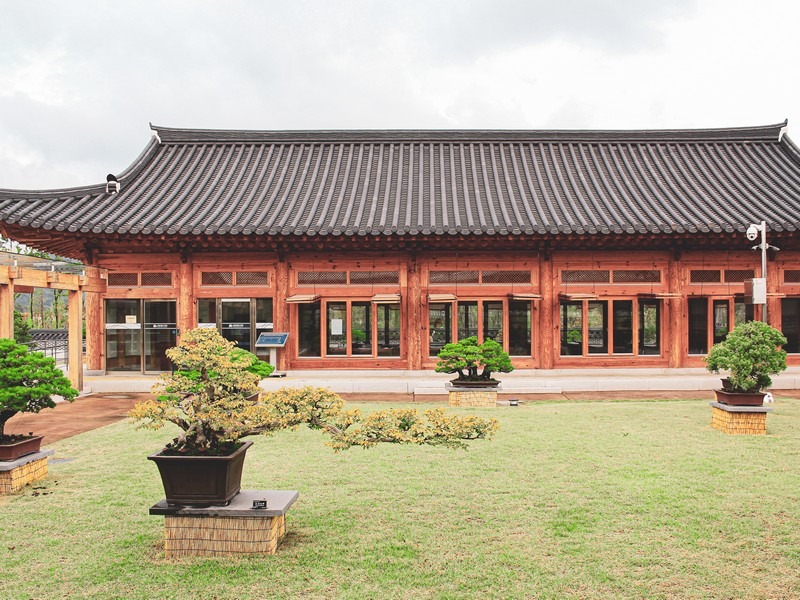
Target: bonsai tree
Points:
(209, 397)
(467, 357)
(28, 380)
(751, 352)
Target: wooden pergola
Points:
(23, 273)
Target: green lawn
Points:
(570, 500)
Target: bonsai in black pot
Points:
(213, 397)
(751, 353)
(474, 362)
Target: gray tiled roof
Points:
(435, 182)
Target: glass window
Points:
(440, 324)
(519, 328)
(571, 328)
(206, 311)
(337, 328)
(467, 319)
(790, 323)
(649, 327)
(742, 313)
(308, 324)
(698, 326)
(623, 326)
(493, 321)
(721, 321)
(361, 330)
(388, 326)
(598, 327)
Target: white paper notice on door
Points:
(336, 326)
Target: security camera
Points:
(752, 233)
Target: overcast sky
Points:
(81, 80)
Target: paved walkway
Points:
(97, 410)
(71, 418)
(421, 385)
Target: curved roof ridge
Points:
(753, 133)
(126, 175)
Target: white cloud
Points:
(80, 81)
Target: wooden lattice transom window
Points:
(348, 278)
(147, 279)
(234, 278)
(486, 277)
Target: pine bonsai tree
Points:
(467, 357)
(210, 398)
(751, 352)
(28, 380)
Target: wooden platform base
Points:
(16, 474)
(227, 530)
(739, 420)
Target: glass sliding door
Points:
(440, 317)
(235, 320)
(361, 328)
(698, 325)
(650, 327)
(493, 321)
(160, 334)
(263, 324)
(467, 320)
(623, 326)
(123, 335)
(388, 327)
(519, 328)
(336, 328)
(308, 325)
(597, 317)
(138, 334)
(571, 314)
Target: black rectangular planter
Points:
(201, 480)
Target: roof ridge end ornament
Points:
(783, 129)
(154, 131)
(112, 182)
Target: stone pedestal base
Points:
(739, 420)
(16, 474)
(472, 397)
(226, 530)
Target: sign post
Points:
(273, 341)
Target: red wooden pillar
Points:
(186, 298)
(94, 331)
(548, 307)
(773, 287)
(675, 326)
(415, 313)
(280, 311)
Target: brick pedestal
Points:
(739, 420)
(16, 474)
(473, 397)
(226, 530)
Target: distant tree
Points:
(21, 328)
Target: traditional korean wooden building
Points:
(372, 249)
